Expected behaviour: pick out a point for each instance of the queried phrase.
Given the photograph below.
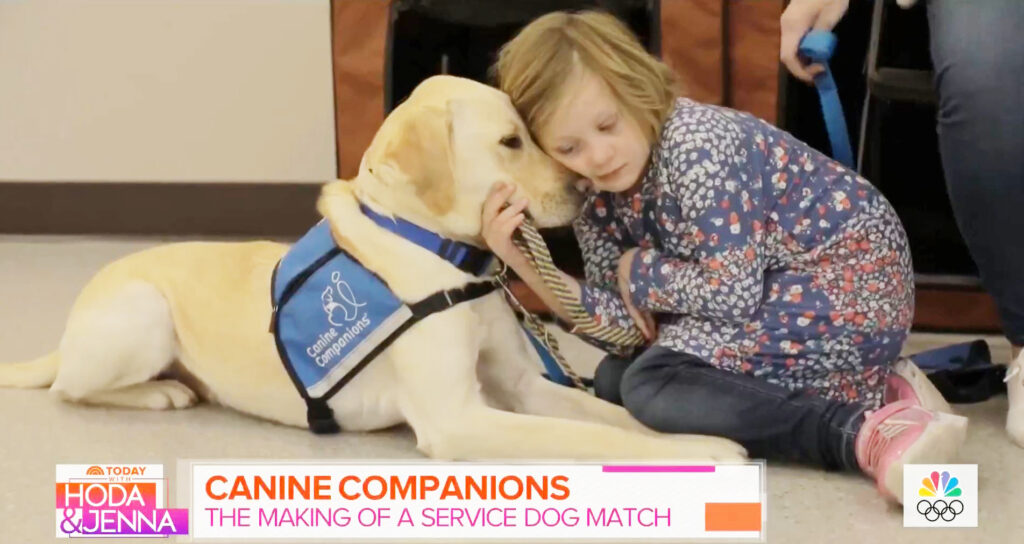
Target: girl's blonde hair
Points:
(534, 66)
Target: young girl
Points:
(775, 284)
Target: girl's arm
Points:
(602, 246)
(598, 296)
(713, 265)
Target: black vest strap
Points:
(442, 300)
(320, 416)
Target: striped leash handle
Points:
(536, 328)
(530, 242)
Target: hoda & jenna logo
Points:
(110, 500)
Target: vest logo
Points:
(351, 306)
(346, 322)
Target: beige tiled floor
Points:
(39, 277)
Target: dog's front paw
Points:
(711, 448)
(731, 453)
(168, 394)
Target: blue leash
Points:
(818, 46)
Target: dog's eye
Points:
(512, 142)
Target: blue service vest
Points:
(332, 316)
(337, 311)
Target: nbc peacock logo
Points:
(945, 488)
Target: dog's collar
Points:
(465, 257)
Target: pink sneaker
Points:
(907, 382)
(906, 433)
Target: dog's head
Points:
(436, 156)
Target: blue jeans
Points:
(978, 52)
(680, 393)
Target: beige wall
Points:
(166, 90)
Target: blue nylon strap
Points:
(464, 256)
(818, 46)
(555, 372)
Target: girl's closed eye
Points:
(609, 124)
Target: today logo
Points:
(113, 500)
(126, 471)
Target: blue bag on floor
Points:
(963, 373)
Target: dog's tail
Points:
(29, 374)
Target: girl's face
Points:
(590, 134)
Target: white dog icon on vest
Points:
(350, 306)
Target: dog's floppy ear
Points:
(424, 153)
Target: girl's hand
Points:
(644, 320)
(499, 224)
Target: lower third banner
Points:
(366, 501)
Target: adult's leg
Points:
(978, 53)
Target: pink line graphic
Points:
(658, 468)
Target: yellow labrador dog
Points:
(164, 327)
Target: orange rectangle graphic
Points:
(732, 516)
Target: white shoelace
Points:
(884, 433)
(1013, 372)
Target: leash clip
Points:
(502, 279)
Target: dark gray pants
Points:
(978, 52)
(679, 393)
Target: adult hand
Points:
(644, 320)
(799, 17)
